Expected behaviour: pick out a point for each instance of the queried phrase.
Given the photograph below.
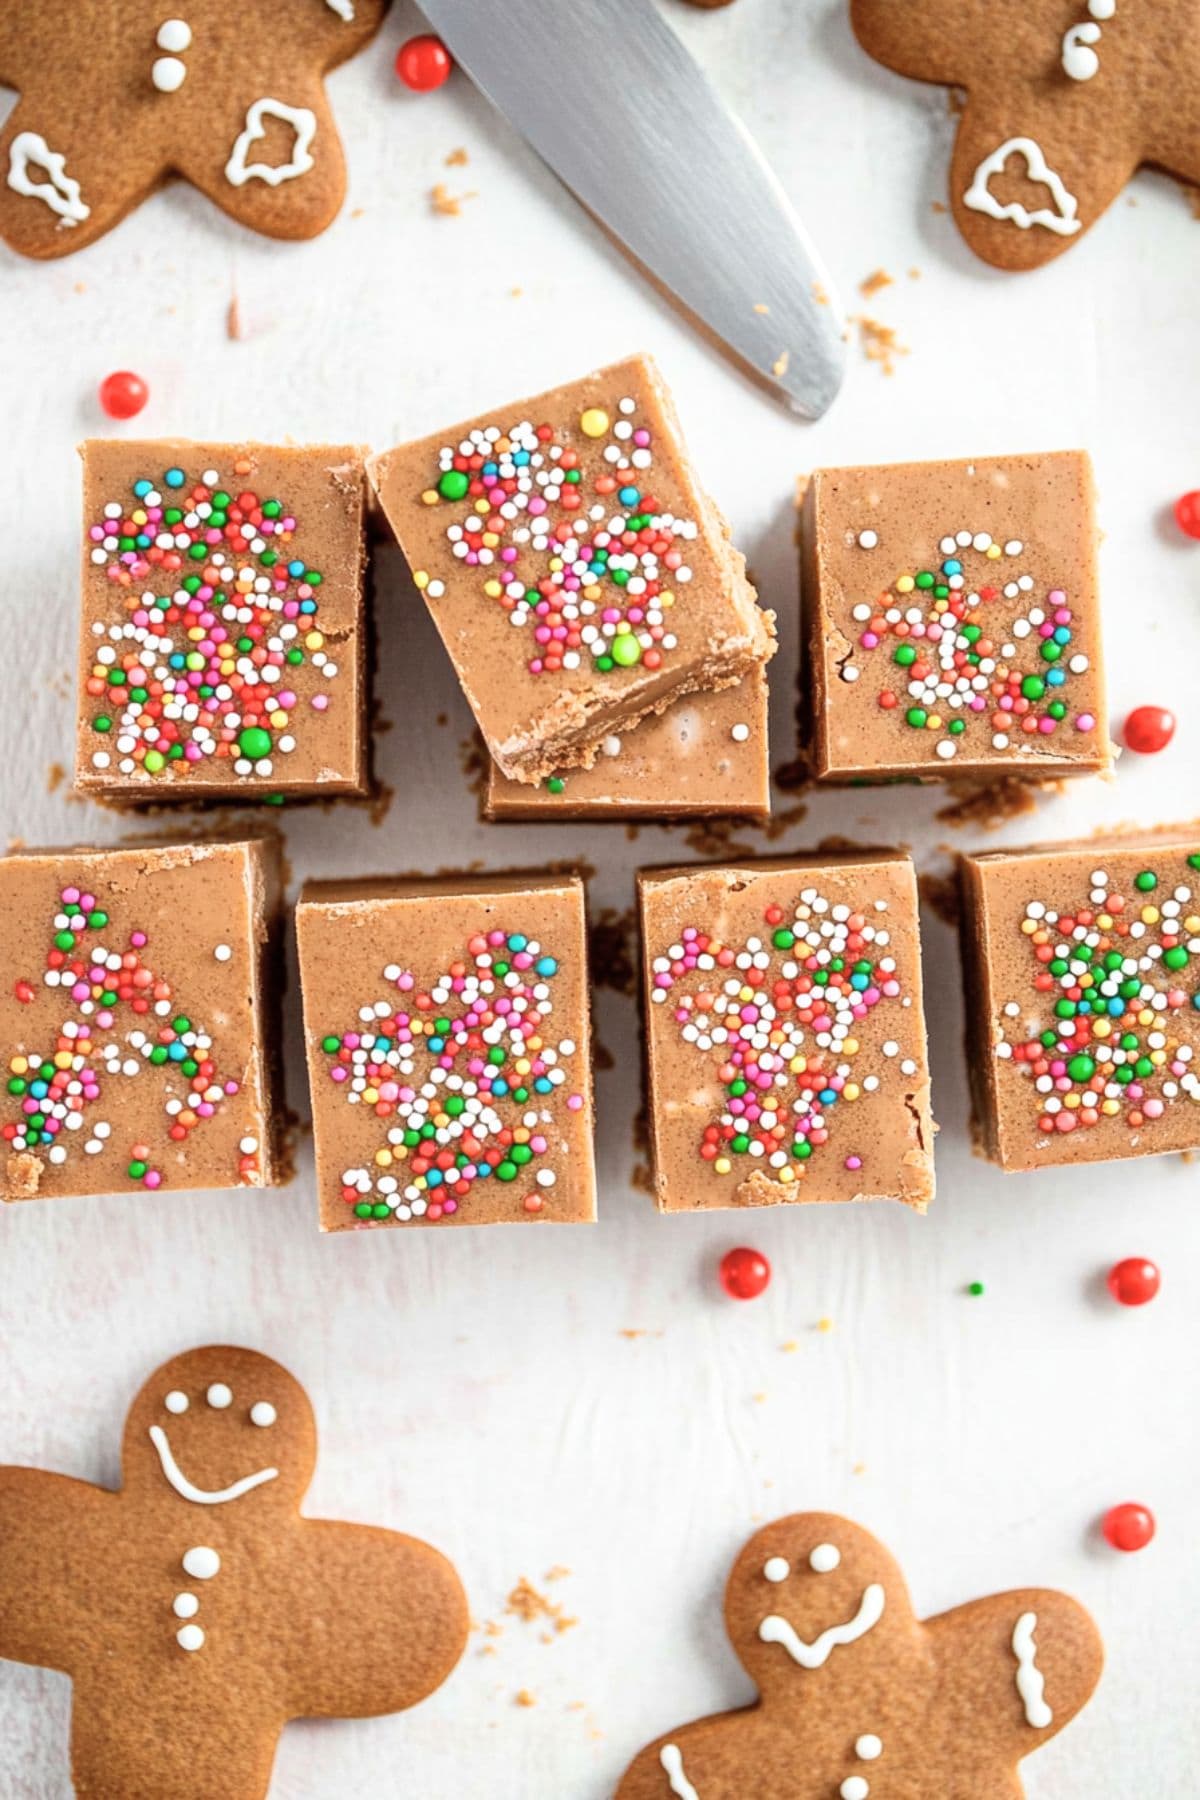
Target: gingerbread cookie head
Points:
(1065, 98)
(221, 1428)
(815, 1608)
(232, 100)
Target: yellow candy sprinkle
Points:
(314, 640)
(421, 576)
(430, 497)
(993, 552)
(722, 1165)
(18, 1065)
(492, 589)
(593, 422)
(905, 584)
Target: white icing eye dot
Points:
(855, 1787)
(868, 1747)
(189, 1637)
(201, 1563)
(176, 1402)
(263, 1413)
(777, 1568)
(219, 1395)
(174, 34)
(825, 1559)
(185, 1606)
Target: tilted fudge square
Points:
(706, 755)
(223, 643)
(449, 1051)
(137, 1018)
(1081, 964)
(785, 1033)
(952, 620)
(579, 576)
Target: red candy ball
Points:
(1149, 729)
(1133, 1281)
(123, 394)
(1129, 1526)
(423, 63)
(1187, 513)
(744, 1274)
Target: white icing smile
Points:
(187, 1490)
(775, 1630)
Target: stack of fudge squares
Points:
(614, 655)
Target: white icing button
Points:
(176, 1402)
(219, 1395)
(189, 1637)
(825, 1558)
(262, 1413)
(777, 1568)
(855, 1787)
(174, 34)
(201, 1563)
(868, 1747)
(168, 74)
(185, 1606)
(868, 539)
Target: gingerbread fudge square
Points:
(137, 1017)
(785, 1033)
(449, 1050)
(223, 645)
(705, 756)
(579, 576)
(952, 620)
(1081, 964)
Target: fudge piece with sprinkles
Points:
(951, 621)
(223, 642)
(706, 756)
(578, 574)
(1082, 971)
(137, 1018)
(785, 1032)
(449, 1052)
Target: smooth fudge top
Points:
(577, 573)
(133, 1019)
(786, 1033)
(222, 620)
(449, 1050)
(1082, 963)
(952, 619)
(707, 754)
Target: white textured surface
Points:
(474, 1387)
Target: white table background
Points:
(474, 1387)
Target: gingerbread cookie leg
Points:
(1013, 1670)
(54, 192)
(1023, 189)
(281, 169)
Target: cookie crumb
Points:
(819, 294)
(448, 205)
(523, 1697)
(824, 1325)
(458, 158)
(233, 320)
(880, 343)
(938, 206)
(761, 307)
(874, 282)
(780, 366)
(526, 1603)
(558, 1573)
(54, 777)
(791, 1346)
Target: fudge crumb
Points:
(492, 1629)
(23, 1174)
(233, 320)
(611, 939)
(357, 212)
(780, 366)
(758, 1399)
(824, 1325)
(458, 158)
(515, 293)
(54, 777)
(880, 343)
(859, 1469)
(988, 805)
(938, 206)
(874, 282)
(525, 1602)
(558, 1573)
(819, 294)
(914, 274)
(81, 287)
(940, 894)
(446, 204)
(523, 1697)
(791, 1346)
(761, 307)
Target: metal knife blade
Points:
(609, 97)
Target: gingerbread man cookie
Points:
(230, 98)
(1065, 98)
(195, 1611)
(861, 1700)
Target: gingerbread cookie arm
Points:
(274, 163)
(380, 1622)
(1013, 1670)
(724, 1757)
(53, 1532)
(924, 41)
(56, 188)
(1069, 167)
